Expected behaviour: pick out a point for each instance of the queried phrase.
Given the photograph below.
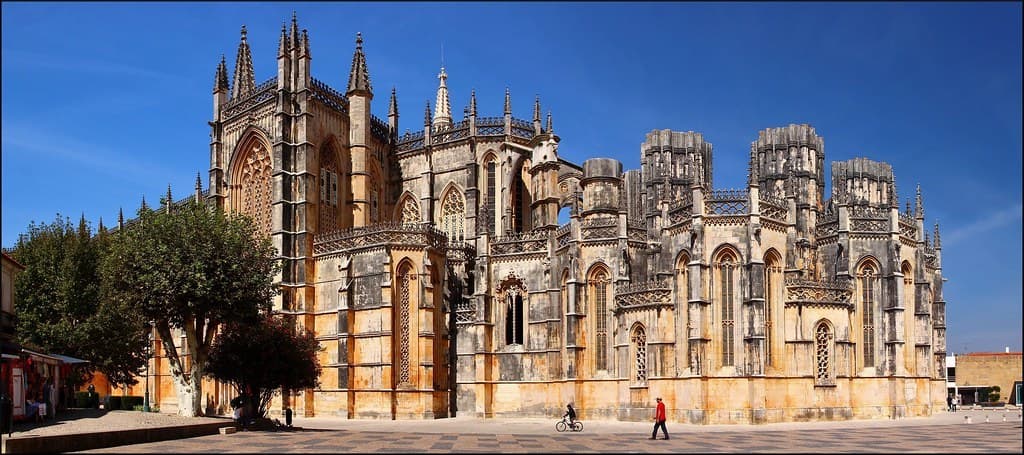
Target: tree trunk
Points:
(189, 391)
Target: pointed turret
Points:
(550, 129)
(443, 108)
(919, 208)
(294, 31)
(536, 115)
(472, 103)
(393, 112)
(245, 80)
(508, 102)
(168, 200)
(282, 43)
(304, 51)
(938, 241)
(359, 76)
(908, 208)
(199, 187)
(426, 116)
(220, 80)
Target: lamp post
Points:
(149, 357)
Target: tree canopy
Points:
(261, 359)
(191, 269)
(62, 307)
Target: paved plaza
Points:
(942, 433)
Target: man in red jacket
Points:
(659, 420)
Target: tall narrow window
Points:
(518, 213)
(727, 297)
(514, 318)
(772, 273)
(600, 288)
(453, 216)
(823, 354)
(491, 192)
(867, 279)
(405, 300)
(639, 340)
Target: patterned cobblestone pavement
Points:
(933, 435)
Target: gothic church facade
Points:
(434, 271)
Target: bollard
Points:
(986, 418)
(967, 419)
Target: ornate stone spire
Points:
(536, 109)
(393, 104)
(919, 208)
(359, 76)
(220, 81)
(472, 102)
(282, 43)
(550, 129)
(426, 115)
(304, 51)
(199, 187)
(908, 207)
(442, 107)
(294, 31)
(508, 102)
(753, 171)
(245, 80)
(938, 241)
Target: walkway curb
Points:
(98, 440)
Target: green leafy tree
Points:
(261, 359)
(61, 308)
(189, 270)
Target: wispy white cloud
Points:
(18, 137)
(32, 60)
(987, 223)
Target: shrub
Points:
(112, 403)
(129, 402)
(82, 400)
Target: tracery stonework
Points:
(403, 329)
(254, 187)
(410, 211)
(453, 216)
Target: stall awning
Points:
(68, 360)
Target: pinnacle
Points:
(359, 76)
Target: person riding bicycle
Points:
(570, 413)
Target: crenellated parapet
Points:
(671, 162)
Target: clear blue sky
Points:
(105, 103)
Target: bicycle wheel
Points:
(560, 426)
(577, 426)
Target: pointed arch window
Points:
(490, 192)
(410, 211)
(726, 265)
(772, 285)
(513, 318)
(823, 355)
(599, 287)
(328, 190)
(251, 183)
(453, 216)
(867, 289)
(639, 342)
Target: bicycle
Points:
(564, 424)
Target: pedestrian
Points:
(288, 417)
(659, 420)
(949, 403)
(48, 395)
(956, 401)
